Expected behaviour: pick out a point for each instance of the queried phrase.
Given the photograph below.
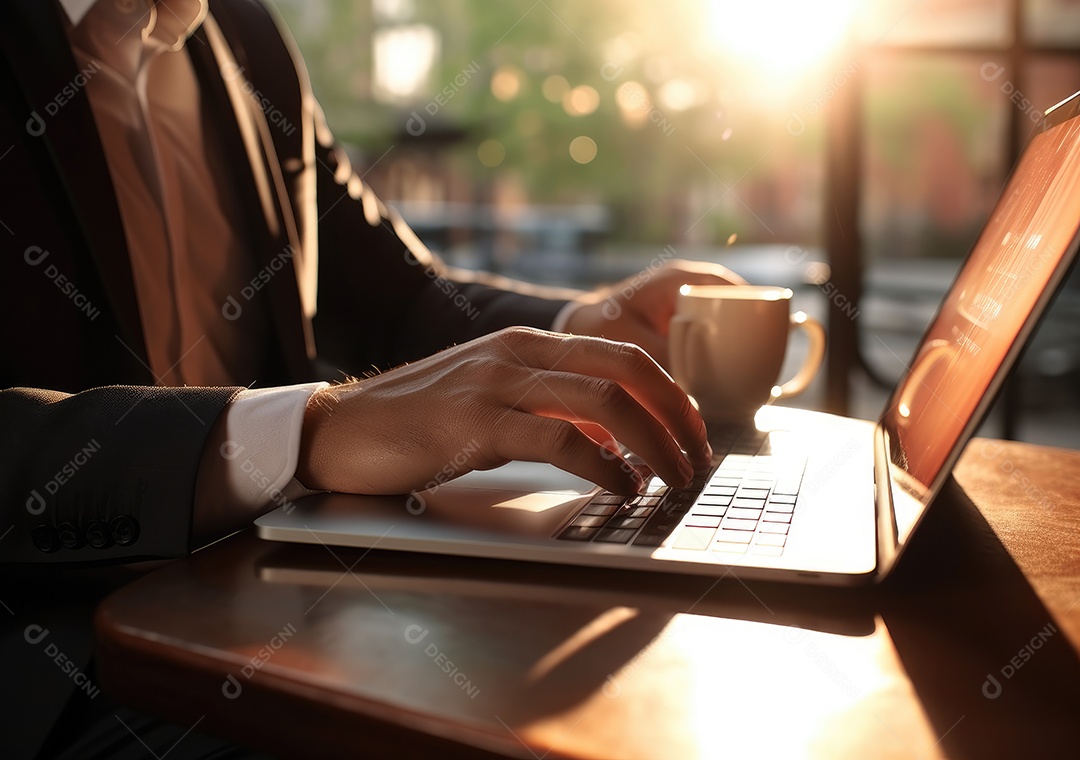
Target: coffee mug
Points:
(727, 345)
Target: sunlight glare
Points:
(779, 37)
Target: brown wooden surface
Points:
(560, 661)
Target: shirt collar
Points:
(164, 23)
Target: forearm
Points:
(384, 298)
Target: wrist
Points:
(316, 416)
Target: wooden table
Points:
(969, 650)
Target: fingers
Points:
(599, 400)
(701, 273)
(546, 439)
(632, 369)
(598, 434)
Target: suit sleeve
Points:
(383, 297)
(107, 474)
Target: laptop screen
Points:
(1008, 278)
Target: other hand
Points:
(639, 309)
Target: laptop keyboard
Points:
(744, 505)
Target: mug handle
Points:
(816, 332)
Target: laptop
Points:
(799, 496)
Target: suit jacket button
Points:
(45, 538)
(70, 537)
(98, 534)
(124, 530)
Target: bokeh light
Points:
(506, 82)
(581, 101)
(583, 149)
(491, 153)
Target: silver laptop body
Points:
(805, 496)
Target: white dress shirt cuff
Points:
(563, 316)
(262, 445)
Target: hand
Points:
(516, 394)
(638, 310)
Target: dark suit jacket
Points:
(102, 465)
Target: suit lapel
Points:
(41, 58)
(245, 134)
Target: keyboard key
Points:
(600, 509)
(703, 521)
(725, 482)
(780, 517)
(645, 501)
(700, 479)
(748, 503)
(626, 522)
(764, 485)
(694, 538)
(677, 501)
(655, 487)
(740, 525)
(752, 493)
(788, 484)
(783, 498)
(589, 521)
(639, 512)
(740, 513)
(740, 461)
(713, 490)
(716, 501)
(770, 539)
(773, 527)
(578, 533)
(768, 551)
(608, 498)
(650, 539)
(734, 536)
(774, 507)
(708, 510)
(614, 536)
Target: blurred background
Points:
(848, 150)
